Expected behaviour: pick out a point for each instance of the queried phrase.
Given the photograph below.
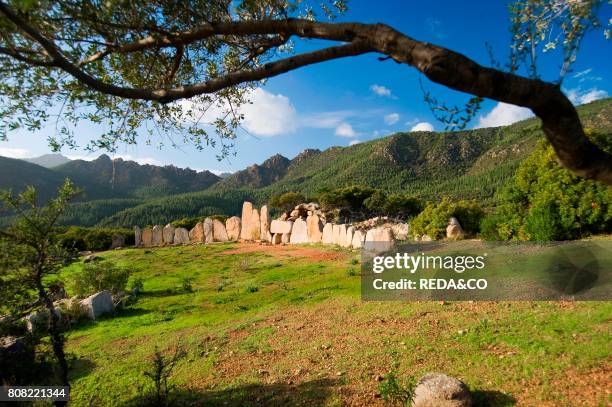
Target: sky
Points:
(351, 100)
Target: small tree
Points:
(30, 252)
(287, 201)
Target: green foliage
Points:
(395, 205)
(159, 371)
(287, 201)
(94, 239)
(98, 276)
(394, 392)
(547, 202)
(187, 284)
(432, 221)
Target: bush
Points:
(94, 239)
(395, 392)
(542, 223)
(432, 221)
(287, 201)
(98, 276)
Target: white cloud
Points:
(266, 115)
(392, 118)
(423, 126)
(381, 90)
(345, 130)
(353, 142)
(325, 120)
(14, 152)
(503, 114)
(582, 73)
(579, 97)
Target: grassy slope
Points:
(286, 325)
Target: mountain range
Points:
(471, 164)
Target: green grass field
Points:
(285, 325)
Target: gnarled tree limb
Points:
(560, 120)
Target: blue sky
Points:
(342, 102)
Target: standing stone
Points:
(196, 235)
(440, 390)
(264, 232)
(168, 234)
(281, 226)
(181, 236)
(379, 239)
(454, 229)
(157, 238)
(219, 232)
(358, 239)
(255, 225)
(335, 234)
(247, 213)
(285, 238)
(232, 226)
(207, 225)
(341, 235)
(400, 231)
(328, 233)
(117, 240)
(315, 228)
(299, 234)
(147, 235)
(98, 304)
(348, 240)
(137, 236)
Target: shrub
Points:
(432, 221)
(395, 392)
(542, 223)
(97, 276)
(186, 284)
(159, 371)
(287, 201)
(94, 239)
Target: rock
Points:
(137, 236)
(247, 213)
(454, 229)
(440, 390)
(299, 233)
(147, 235)
(277, 238)
(314, 228)
(98, 304)
(255, 225)
(379, 239)
(157, 237)
(348, 238)
(90, 258)
(426, 238)
(400, 231)
(284, 216)
(358, 239)
(219, 231)
(232, 226)
(117, 240)
(181, 236)
(328, 234)
(281, 226)
(208, 229)
(264, 231)
(285, 238)
(168, 234)
(196, 235)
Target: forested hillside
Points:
(471, 164)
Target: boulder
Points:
(181, 236)
(147, 235)
(255, 226)
(379, 239)
(440, 390)
(328, 234)
(247, 213)
(285, 238)
(196, 235)
(454, 229)
(157, 237)
(264, 231)
(281, 226)
(315, 228)
(400, 231)
(91, 257)
(426, 238)
(358, 239)
(98, 304)
(277, 238)
(208, 227)
(219, 231)
(137, 236)
(232, 227)
(299, 233)
(348, 239)
(168, 234)
(117, 240)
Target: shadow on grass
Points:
(312, 393)
(492, 398)
(81, 367)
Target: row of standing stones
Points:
(305, 224)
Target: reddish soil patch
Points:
(285, 251)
